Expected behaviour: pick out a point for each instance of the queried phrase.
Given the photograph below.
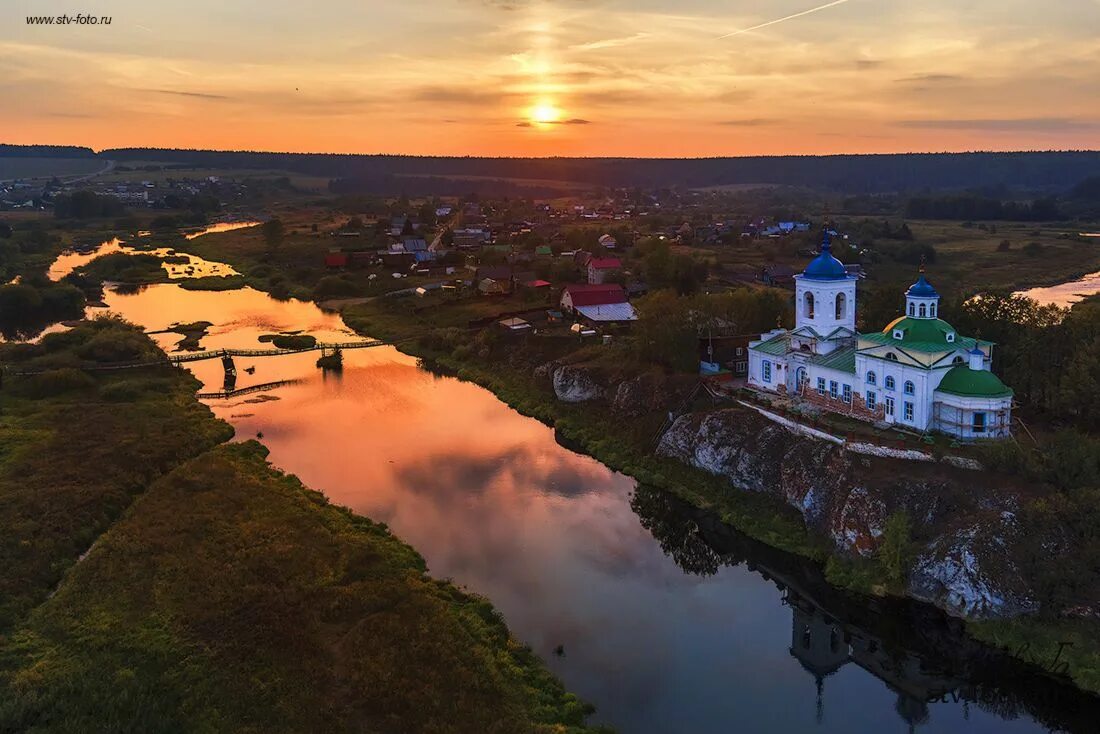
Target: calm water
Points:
(1069, 293)
(664, 626)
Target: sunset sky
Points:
(528, 77)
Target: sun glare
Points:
(545, 113)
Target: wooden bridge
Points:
(222, 394)
(181, 357)
(178, 358)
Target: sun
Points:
(544, 113)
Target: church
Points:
(917, 373)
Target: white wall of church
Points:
(924, 383)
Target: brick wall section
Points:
(858, 408)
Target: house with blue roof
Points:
(917, 373)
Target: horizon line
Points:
(989, 151)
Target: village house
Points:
(918, 372)
(603, 303)
(470, 237)
(601, 268)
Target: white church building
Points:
(917, 373)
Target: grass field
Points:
(20, 168)
(299, 180)
(154, 578)
(966, 258)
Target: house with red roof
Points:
(599, 268)
(336, 260)
(597, 303)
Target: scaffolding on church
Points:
(964, 422)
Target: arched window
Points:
(841, 305)
(912, 310)
(909, 388)
(809, 305)
(871, 378)
(889, 382)
(932, 310)
(891, 357)
(958, 360)
(923, 311)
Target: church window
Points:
(958, 360)
(891, 357)
(841, 305)
(909, 388)
(821, 386)
(951, 337)
(912, 310)
(923, 311)
(932, 310)
(767, 370)
(871, 377)
(834, 389)
(908, 412)
(847, 393)
(872, 400)
(889, 382)
(898, 334)
(889, 406)
(978, 423)
(809, 305)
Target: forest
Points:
(913, 172)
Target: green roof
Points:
(961, 380)
(922, 335)
(777, 346)
(839, 359)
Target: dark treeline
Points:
(387, 184)
(970, 207)
(85, 204)
(847, 173)
(45, 151)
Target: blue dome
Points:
(922, 289)
(825, 266)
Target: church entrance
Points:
(800, 380)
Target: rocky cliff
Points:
(964, 524)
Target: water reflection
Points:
(221, 227)
(1066, 294)
(919, 654)
(664, 623)
(70, 260)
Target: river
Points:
(667, 621)
(1068, 293)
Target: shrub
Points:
(114, 345)
(56, 382)
(896, 551)
(333, 286)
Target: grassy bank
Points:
(216, 593)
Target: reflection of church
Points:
(823, 645)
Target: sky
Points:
(538, 78)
